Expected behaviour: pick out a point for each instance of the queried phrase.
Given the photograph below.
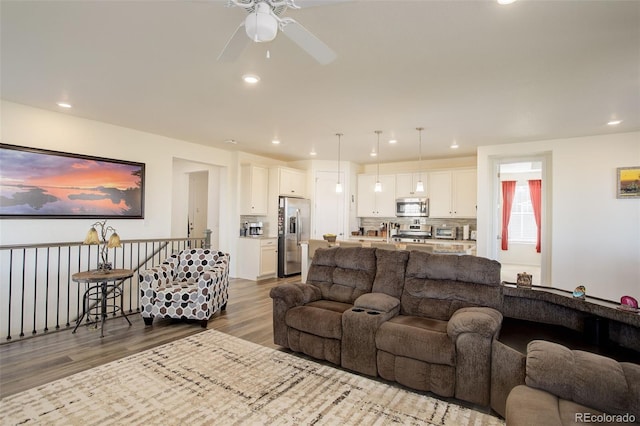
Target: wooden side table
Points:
(98, 291)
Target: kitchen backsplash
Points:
(246, 218)
(375, 223)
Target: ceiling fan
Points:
(262, 24)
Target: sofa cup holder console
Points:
(364, 310)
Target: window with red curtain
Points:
(535, 190)
(508, 189)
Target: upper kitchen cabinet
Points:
(406, 185)
(376, 204)
(254, 181)
(452, 193)
(290, 182)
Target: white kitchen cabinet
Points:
(258, 258)
(254, 181)
(406, 185)
(452, 193)
(376, 204)
(268, 257)
(291, 182)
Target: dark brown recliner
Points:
(441, 340)
(307, 317)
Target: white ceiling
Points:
(473, 71)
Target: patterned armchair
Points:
(191, 284)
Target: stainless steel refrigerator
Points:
(293, 228)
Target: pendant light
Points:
(420, 184)
(338, 184)
(378, 186)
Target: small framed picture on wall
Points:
(628, 182)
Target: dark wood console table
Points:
(98, 291)
(554, 306)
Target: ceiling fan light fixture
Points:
(338, 184)
(378, 186)
(261, 25)
(420, 184)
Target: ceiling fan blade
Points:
(235, 46)
(308, 42)
(313, 3)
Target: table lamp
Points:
(93, 238)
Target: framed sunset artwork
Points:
(38, 183)
(628, 182)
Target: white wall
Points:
(595, 237)
(32, 127)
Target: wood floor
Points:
(39, 360)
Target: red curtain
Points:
(535, 190)
(508, 189)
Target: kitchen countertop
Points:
(427, 241)
(257, 237)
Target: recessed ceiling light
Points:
(250, 78)
(614, 122)
(275, 142)
(64, 105)
(503, 2)
(392, 141)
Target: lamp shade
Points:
(114, 241)
(92, 237)
(420, 186)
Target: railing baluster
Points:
(9, 298)
(68, 291)
(46, 297)
(58, 293)
(24, 265)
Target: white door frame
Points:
(545, 231)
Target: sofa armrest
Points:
(377, 301)
(296, 294)
(285, 297)
(586, 378)
(483, 321)
(155, 277)
(473, 330)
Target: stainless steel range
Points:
(414, 233)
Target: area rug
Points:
(212, 378)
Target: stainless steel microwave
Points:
(412, 207)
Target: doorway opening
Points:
(329, 206)
(196, 200)
(521, 220)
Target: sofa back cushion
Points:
(343, 274)
(192, 263)
(437, 285)
(390, 270)
(585, 378)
